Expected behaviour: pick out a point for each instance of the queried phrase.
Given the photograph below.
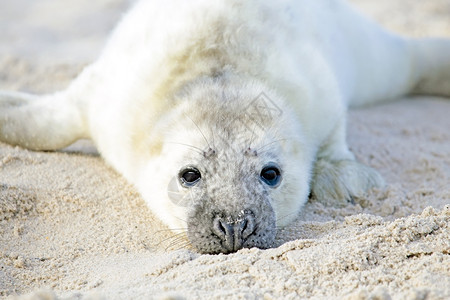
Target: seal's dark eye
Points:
(189, 176)
(271, 175)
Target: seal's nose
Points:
(233, 232)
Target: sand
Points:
(71, 227)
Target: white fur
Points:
(316, 57)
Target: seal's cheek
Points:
(160, 189)
(292, 194)
(179, 195)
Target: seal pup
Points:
(226, 115)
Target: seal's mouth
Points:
(230, 233)
(234, 233)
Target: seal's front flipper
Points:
(340, 182)
(47, 122)
(337, 177)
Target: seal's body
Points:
(226, 115)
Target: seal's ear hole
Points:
(271, 175)
(189, 176)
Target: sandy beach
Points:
(72, 228)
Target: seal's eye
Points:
(271, 175)
(189, 176)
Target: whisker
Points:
(187, 245)
(212, 137)
(266, 130)
(268, 144)
(181, 220)
(171, 238)
(170, 229)
(252, 137)
(176, 242)
(285, 216)
(179, 239)
(175, 235)
(201, 132)
(200, 151)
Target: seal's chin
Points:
(228, 233)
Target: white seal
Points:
(227, 114)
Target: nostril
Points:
(247, 226)
(244, 225)
(223, 229)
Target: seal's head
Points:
(231, 167)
